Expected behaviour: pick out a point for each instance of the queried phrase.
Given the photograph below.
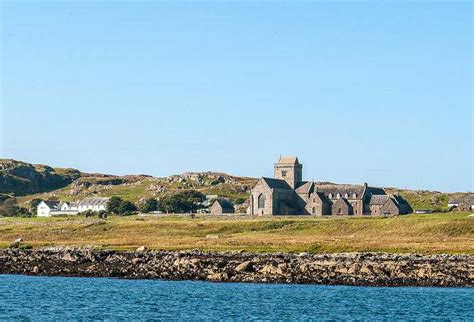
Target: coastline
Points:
(356, 269)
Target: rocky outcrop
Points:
(371, 269)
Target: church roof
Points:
(276, 183)
(378, 199)
(304, 187)
(288, 160)
(340, 189)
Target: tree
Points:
(9, 208)
(34, 205)
(126, 208)
(186, 201)
(151, 204)
(113, 205)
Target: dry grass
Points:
(434, 233)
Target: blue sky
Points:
(361, 92)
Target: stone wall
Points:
(370, 269)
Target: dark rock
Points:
(371, 269)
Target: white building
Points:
(47, 208)
(453, 203)
(94, 204)
(56, 208)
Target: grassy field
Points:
(433, 233)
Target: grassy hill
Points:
(30, 181)
(21, 178)
(428, 234)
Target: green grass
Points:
(427, 234)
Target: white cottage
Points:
(47, 208)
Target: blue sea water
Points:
(59, 298)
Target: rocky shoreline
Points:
(367, 269)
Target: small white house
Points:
(453, 203)
(94, 204)
(47, 208)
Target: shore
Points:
(363, 269)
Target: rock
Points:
(135, 261)
(272, 270)
(16, 243)
(218, 277)
(246, 266)
(69, 258)
(142, 249)
(212, 236)
(369, 269)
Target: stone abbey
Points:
(288, 194)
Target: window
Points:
(314, 210)
(354, 195)
(346, 195)
(283, 174)
(339, 211)
(330, 196)
(261, 201)
(338, 196)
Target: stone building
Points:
(222, 206)
(288, 194)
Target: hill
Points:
(21, 178)
(27, 181)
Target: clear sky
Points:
(377, 92)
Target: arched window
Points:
(339, 211)
(338, 195)
(346, 195)
(261, 201)
(330, 196)
(354, 195)
(314, 210)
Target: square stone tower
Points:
(290, 170)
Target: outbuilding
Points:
(222, 206)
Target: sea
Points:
(74, 298)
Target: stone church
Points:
(288, 194)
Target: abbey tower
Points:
(290, 170)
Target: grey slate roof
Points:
(334, 189)
(277, 183)
(225, 204)
(454, 201)
(94, 201)
(304, 187)
(379, 199)
(52, 204)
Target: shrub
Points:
(88, 213)
(102, 214)
(126, 208)
(186, 201)
(150, 205)
(113, 205)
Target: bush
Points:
(239, 201)
(113, 205)
(186, 201)
(150, 205)
(126, 208)
(88, 213)
(9, 208)
(102, 214)
(118, 206)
